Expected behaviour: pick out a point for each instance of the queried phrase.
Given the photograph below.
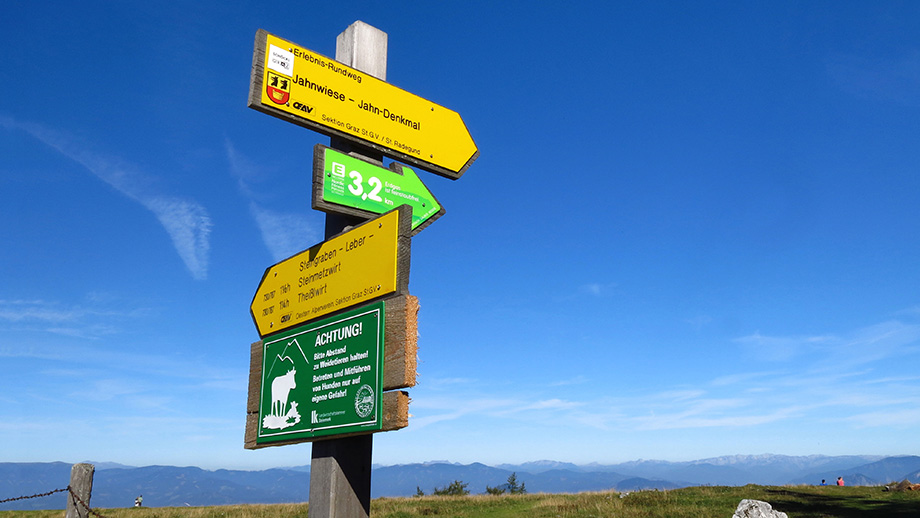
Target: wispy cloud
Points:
(779, 348)
(876, 342)
(577, 380)
(440, 409)
(187, 223)
(189, 226)
(913, 311)
(90, 319)
(699, 322)
(907, 416)
(284, 233)
(597, 289)
(743, 378)
(552, 404)
(38, 310)
(832, 381)
(849, 349)
(706, 411)
(682, 420)
(891, 78)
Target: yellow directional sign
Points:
(351, 268)
(309, 89)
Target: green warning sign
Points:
(323, 378)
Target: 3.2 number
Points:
(357, 186)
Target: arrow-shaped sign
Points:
(348, 185)
(309, 89)
(367, 262)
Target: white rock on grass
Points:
(756, 509)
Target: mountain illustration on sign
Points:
(282, 373)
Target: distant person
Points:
(823, 482)
(839, 481)
(139, 501)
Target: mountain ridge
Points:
(116, 485)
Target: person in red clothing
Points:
(839, 481)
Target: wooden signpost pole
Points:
(340, 469)
(342, 402)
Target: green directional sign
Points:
(349, 185)
(323, 378)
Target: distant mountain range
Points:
(116, 485)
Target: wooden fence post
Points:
(81, 486)
(340, 470)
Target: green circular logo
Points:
(364, 401)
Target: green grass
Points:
(692, 502)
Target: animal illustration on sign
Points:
(281, 389)
(280, 415)
(277, 418)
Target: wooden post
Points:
(340, 469)
(340, 477)
(363, 48)
(81, 486)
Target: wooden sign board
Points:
(305, 88)
(345, 184)
(277, 415)
(362, 264)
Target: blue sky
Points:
(692, 230)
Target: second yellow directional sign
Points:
(354, 267)
(309, 89)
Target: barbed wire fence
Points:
(73, 494)
(53, 491)
(49, 493)
(84, 504)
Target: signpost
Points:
(346, 184)
(362, 264)
(300, 86)
(339, 328)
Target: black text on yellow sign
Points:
(362, 264)
(301, 86)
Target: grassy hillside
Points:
(796, 501)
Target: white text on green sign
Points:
(324, 378)
(351, 182)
